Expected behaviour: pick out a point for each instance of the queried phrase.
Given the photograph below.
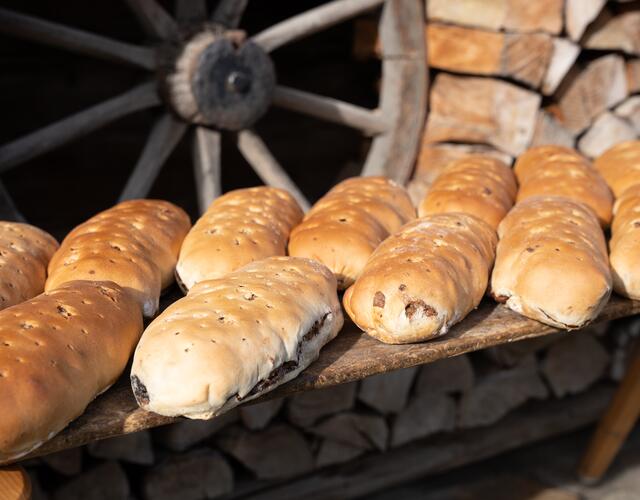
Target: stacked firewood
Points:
(510, 74)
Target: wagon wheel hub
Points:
(221, 80)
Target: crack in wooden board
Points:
(351, 356)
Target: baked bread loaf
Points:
(25, 252)
(625, 243)
(620, 166)
(134, 244)
(477, 185)
(58, 351)
(234, 338)
(239, 227)
(551, 262)
(346, 225)
(423, 279)
(560, 171)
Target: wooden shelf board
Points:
(351, 356)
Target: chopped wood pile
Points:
(510, 74)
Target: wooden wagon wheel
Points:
(212, 76)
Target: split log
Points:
(482, 110)
(66, 462)
(574, 364)
(550, 131)
(333, 452)
(598, 87)
(197, 474)
(509, 355)
(186, 433)
(451, 375)
(305, 409)
(259, 415)
(511, 15)
(578, 14)
(387, 393)
(523, 57)
(563, 55)
(108, 479)
(135, 448)
(359, 430)
(621, 32)
(499, 392)
(425, 415)
(607, 131)
(277, 452)
(633, 75)
(629, 110)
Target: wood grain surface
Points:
(351, 356)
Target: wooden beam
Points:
(75, 126)
(599, 86)
(311, 22)
(350, 356)
(481, 110)
(74, 40)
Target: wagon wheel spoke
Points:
(266, 166)
(164, 137)
(41, 31)
(154, 19)
(8, 209)
(329, 109)
(229, 12)
(311, 21)
(206, 165)
(77, 125)
(191, 10)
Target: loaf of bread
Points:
(25, 252)
(134, 244)
(560, 171)
(620, 166)
(551, 262)
(423, 279)
(240, 227)
(58, 351)
(345, 226)
(625, 243)
(477, 185)
(234, 338)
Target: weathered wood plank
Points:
(351, 356)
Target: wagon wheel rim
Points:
(213, 39)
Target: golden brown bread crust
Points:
(346, 225)
(560, 171)
(58, 351)
(478, 185)
(134, 244)
(234, 338)
(551, 262)
(239, 227)
(620, 166)
(25, 252)
(625, 244)
(423, 279)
